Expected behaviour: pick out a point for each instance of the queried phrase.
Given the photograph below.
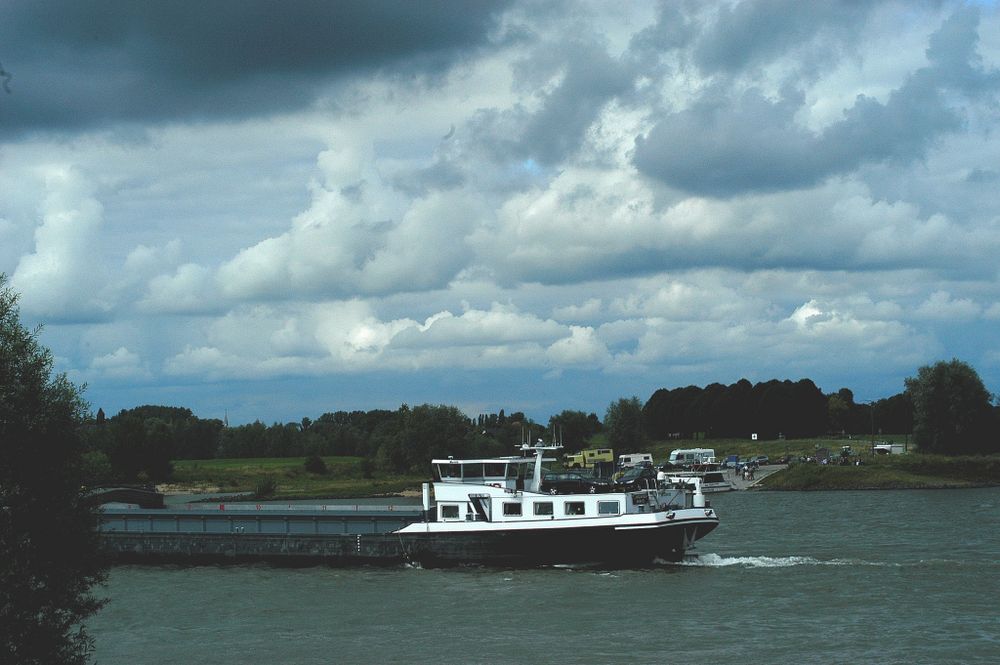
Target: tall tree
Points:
(623, 422)
(49, 558)
(951, 410)
(573, 428)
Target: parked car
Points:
(761, 460)
(572, 482)
(636, 478)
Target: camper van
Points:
(690, 456)
(635, 459)
(586, 459)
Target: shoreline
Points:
(937, 475)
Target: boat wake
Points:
(717, 561)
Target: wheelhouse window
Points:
(608, 507)
(511, 509)
(449, 512)
(543, 508)
(473, 471)
(494, 470)
(449, 471)
(576, 508)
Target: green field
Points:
(344, 477)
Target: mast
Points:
(535, 484)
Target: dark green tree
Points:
(951, 410)
(894, 414)
(49, 557)
(157, 451)
(623, 422)
(573, 428)
(838, 409)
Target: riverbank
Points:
(911, 471)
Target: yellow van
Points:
(585, 459)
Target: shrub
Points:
(315, 464)
(265, 488)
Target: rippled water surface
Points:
(825, 577)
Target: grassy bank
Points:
(345, 478)
(911, 471)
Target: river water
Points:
(788, 577)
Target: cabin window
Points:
(608, 508)
(450, 470)
(543, 508)
(472, 471)
(449, 512)
(512, 509)
(575, 508)
(494, 470)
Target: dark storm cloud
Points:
(588, 78)
(723, 146)
(88, 63)
(591, 79)
(749, 33)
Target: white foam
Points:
(716, 561)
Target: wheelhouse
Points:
(505, 472)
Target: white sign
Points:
(754, 436)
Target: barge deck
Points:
(240, 533)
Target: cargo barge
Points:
(241, 533)
(481, 511)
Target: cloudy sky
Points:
(273, 210)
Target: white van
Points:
(689, 456)
(635, 459)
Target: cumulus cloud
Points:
(726, 144)
(357, 239)
(189, 289)
(583, 347)
(120, 364)
(582, 312)
(799, 343)
(940, 305)
(348, 336)
(62, 279)
(499, 325)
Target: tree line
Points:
(772, 409)
(140, 443)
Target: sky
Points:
(269, 210)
